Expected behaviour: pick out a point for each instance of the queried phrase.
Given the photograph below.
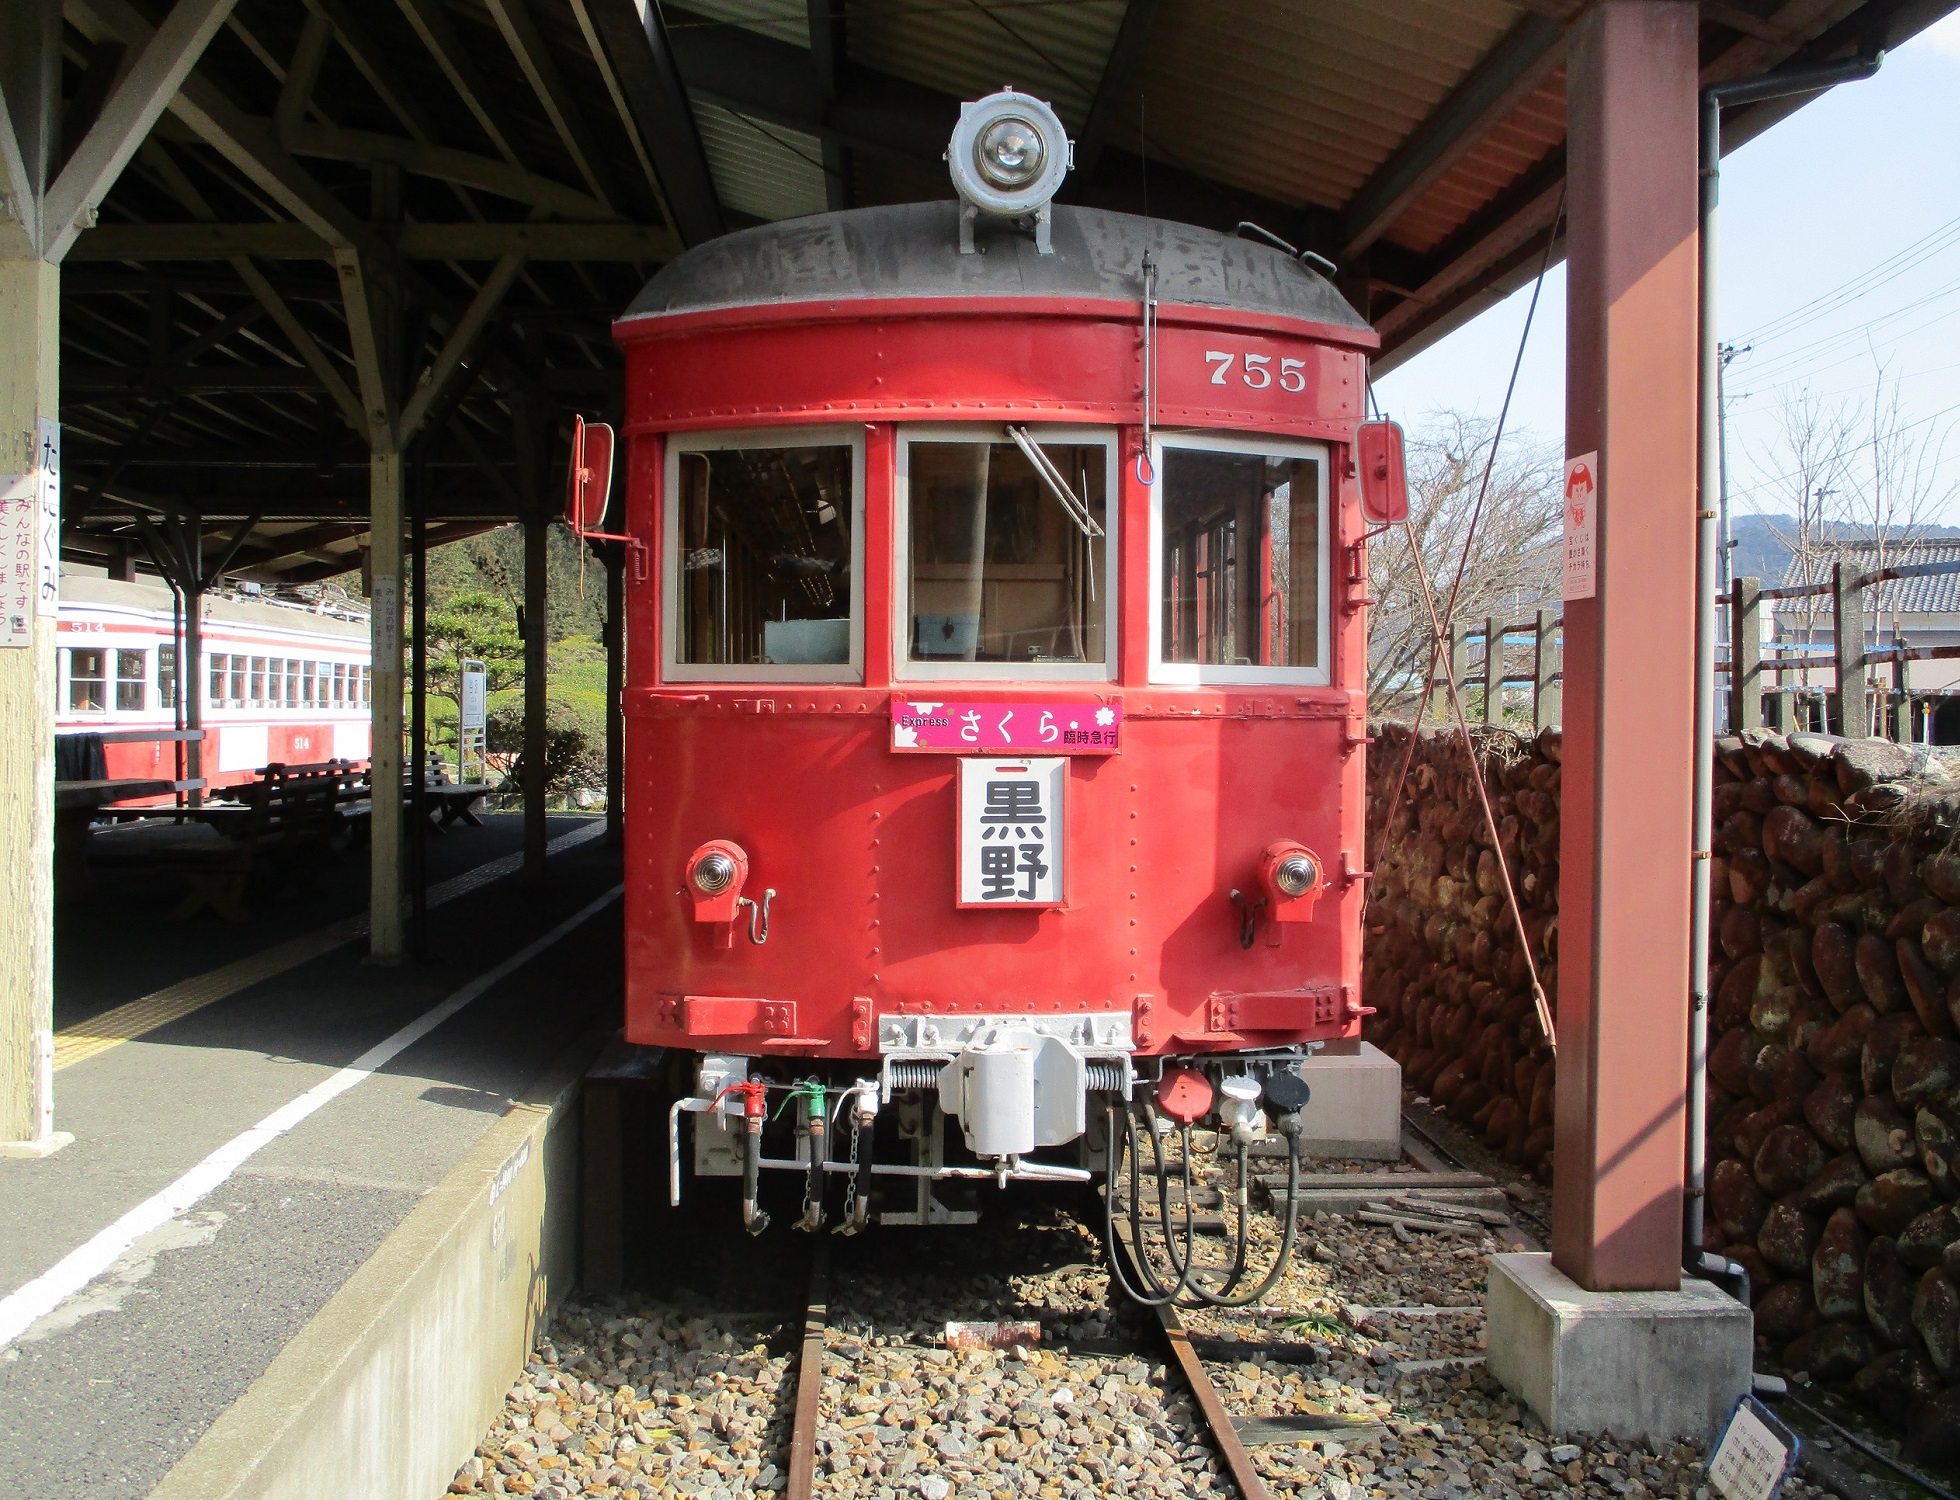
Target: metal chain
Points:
(848, 1225)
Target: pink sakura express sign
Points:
(939, 727)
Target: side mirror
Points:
(588, 480)
(1384, 475)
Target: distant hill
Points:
(1761, 553)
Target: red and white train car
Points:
(282, 680)
(996, 687)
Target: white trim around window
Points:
(907, 670)
(1195, 674)
(851, 437)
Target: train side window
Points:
(215, 696)
(765, 556)
(88, 680)
(132, 677)
(367, 687)
(1009, 573)
(166, 677)
(257, 696)
(1240, 557)
(306, 684)
(235, 697)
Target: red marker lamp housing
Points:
(716, 873)
(1292, 877)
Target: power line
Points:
(1861, 285)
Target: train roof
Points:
(89, 591)
(912, 250)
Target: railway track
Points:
(1131, 1408)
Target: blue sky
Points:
(1863, 180)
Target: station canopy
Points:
(417, 218)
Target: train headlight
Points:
(713, 873)
(1010, 153)
(1295, 875)
(1007, 160)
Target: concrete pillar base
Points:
(1356, 1107)
(1650, 1365)
(47, 1145)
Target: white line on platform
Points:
(20, 1310)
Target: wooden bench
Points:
(292, 815)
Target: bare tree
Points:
(1512, 565)
(1808, 455)
(1861, 477)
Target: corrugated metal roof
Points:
(760, 169)
(785, 20)
(1055, 52)
(1936, 595)
(1303, 101)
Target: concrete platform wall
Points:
(392, 1385)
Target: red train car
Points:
(995, 681)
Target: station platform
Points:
(255, 1110)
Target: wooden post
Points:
(1493, 672)
(1745, 654)
(536, 602)
(1625, 846)
(1458, 666)
(30, 326)
(1849, 702)
(1545, 694)
(1901, 695)
(615, 556)
(385, 711)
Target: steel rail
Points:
(1238, 1460)
(809, 1378)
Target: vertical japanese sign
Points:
(47, 518)
(18, 546)
(1011, 831)
(1581, 525)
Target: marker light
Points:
(1295, 875)
(1007, 159)
(713, 873)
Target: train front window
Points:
(765, 553)
(1241, 562)
(88, 681)
(1009, 568)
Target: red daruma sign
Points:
(1581, 525)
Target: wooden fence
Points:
(1759, 694)
(1491, 680)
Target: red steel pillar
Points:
(1625, 849)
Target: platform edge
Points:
(389, 1387)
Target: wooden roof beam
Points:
(554, 95)
(464, 242)
(166, 58)
(1506, 75)
(637, 44)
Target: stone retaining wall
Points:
(1834, 1070)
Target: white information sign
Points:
(1753, 1456)
(471, 721)
(1581, 525)
(18, 568)
(1011, 830)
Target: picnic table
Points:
(77, 804)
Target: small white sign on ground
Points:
(1754, 1456)
(1010, 835)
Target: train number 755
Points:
(1256, 370)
